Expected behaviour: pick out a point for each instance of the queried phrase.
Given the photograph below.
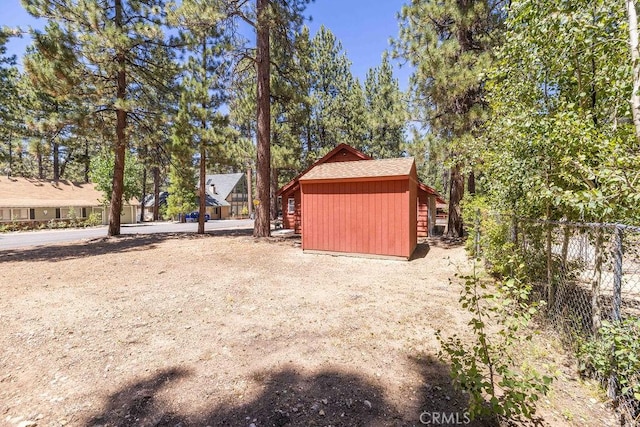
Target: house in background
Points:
(227, 195)
(34, 200)
(293, 209)
(149, 204)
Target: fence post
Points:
(617, 303)
(550, 284)
(617, 275)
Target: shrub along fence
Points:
(589, 276)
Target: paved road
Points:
(25, 239)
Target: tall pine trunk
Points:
(86, 160)
(456, 191)
(11, 157)
(156, 193)
(203, 154)
(121, 140)
(144, 194)
(262, 226)
(471, 183)
(272, 194)
(40, 160)
(249, 191)
(202, 190)
(56, 160)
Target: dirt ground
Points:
(224, 330)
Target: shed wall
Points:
(371, 217)
(413, 214)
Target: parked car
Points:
(193, 217)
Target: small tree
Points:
(101, 174)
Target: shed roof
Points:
(340, 148)
(18, 192)
(357, 169)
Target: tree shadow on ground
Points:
(291, 398)
(446, 242)
(107, 245)
(441, 403)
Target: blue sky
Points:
(363, 26)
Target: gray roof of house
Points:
(149, 200)
(223, 184)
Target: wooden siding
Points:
(371, 217)
(292, 221)
(423, 214)
(344, 155)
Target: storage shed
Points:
(361, 207)
(291, 198)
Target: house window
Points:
(84, 212)
(32, 214)
(20, 213)
(58, 216)
(291, 205)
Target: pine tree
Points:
(182, 177)
(106, 47)
(280, 19)
(9, 104)
(51, 113)
(386, 112)
(330, 78)
(204, 82)
(289, 110)
(450, 43)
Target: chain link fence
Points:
(589, 276)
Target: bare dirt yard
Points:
(225, 330)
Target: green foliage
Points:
(560, 142)
(488, 230)
(9, 104)
(451, 45)
(182, 176)
(386, 113)
(615, 350)
(180, 200)
(102, 175)
(93, 220)
(487, 367)
(73, 217)
(337, 105)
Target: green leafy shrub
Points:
(93, 220)
(486, 365)
(73, 217)
(614, 350)
(491, 231)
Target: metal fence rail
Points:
(589, 275)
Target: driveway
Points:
(24, 239)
